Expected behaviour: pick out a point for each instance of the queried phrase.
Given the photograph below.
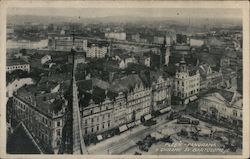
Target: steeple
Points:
(163, 52)
(183, 65)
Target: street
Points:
(125, 143)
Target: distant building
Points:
(42, 114)
(196, 42)
(124, 62)
(167, 56)
(124, 59)
(182, 39)
(45, 59)
(135, 37)
(187, 83)
(209, 78)
(158, 39)
(96, 51)
(222, 105)
(17, 64)
(117, 36)
(65, 43)
(26, 44)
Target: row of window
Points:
(17, 67)
(97, 128)
(96, 119)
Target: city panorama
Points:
(129, 81)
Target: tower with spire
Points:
(73, 142)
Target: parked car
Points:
(137, 153)
(183, 120)
(167, 139)
(195, 122)
(174, 115)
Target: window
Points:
(58, 143)
(97, 127)
(92, 129)
(86, 130)
(58, 123)
(92, 120)
(58, 132)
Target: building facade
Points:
(222, 105)
(161, 92)
(42, 114)
(187, 83)
(96, 51)
(65, 43)
(17, 64)
(117, 36)
(138, 102)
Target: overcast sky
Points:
(151, 12)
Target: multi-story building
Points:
(96, 51)
(161, 90)
(120, 111)
(135, 37)
(96, 108)
(222, 105)
(26, 44)
(209, 78)
(42, 114)
(187, 83)
(17, 64)
(64, 43)
(117, 36)
(138, 96)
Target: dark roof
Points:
(226, 94)
(45, 102)
(125, 84)
(12, 62)
(20, 143)
(46, 86)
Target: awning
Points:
(99, 137)
(165, 109)
(193, 98)
(147, 117)
(123, 128)
(203, 109)
(131, 124)
(138, 122)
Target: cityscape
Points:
(130, 81)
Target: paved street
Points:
(126, 142)
(119, 144)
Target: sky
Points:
(139, 12)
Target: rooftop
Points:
(126, 84)
(47, 103)
(13, 62)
